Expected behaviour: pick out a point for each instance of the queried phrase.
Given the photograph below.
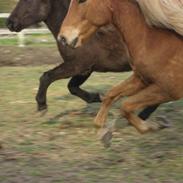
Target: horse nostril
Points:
(13, 25)
(9, 24)
(74, 42)
(63, 40)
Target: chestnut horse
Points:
(98, 55)
(157, 55)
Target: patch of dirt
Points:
(62, 146)
(32, 56)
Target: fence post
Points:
(21, 39)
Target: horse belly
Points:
(170, 79)
(168, 76)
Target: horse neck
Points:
(131, 23)
(56, 16)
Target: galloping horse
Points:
(157, 55)
(97, 55)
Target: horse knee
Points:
(127, 108)
(45, 78)
(109, 97)
(73, 90)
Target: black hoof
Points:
(163, 122)
(42, 107)
(41, 113)
(94, 98)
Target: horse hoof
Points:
(98, 125)
(98, 122)
(94, 98)
(105, 136)
(42, 112)
(42, 108)
(163, 122)
(101, 96)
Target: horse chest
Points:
(143, 70)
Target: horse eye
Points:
(81, 1)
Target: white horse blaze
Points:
(70, 33)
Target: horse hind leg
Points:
(126, 88)
(151, 95)
(74, 88)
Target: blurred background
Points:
(37, 39)
(61, 146)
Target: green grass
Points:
(30, 40)
(62, 146)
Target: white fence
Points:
(21, 35)
(4, 15)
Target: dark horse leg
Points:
(62, 71)
(74, 88)
(145, 114)
(162, 120)
(65, 71)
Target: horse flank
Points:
(163, 13)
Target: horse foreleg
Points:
(74, 88)
(62, 71)
(126, 88)
(151, 95)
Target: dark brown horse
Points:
(100, 54)
(157, 54)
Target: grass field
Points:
(43, 40)
(61, 147)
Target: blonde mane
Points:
(163, 13)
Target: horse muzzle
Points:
(72, 43)
(13, 26)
